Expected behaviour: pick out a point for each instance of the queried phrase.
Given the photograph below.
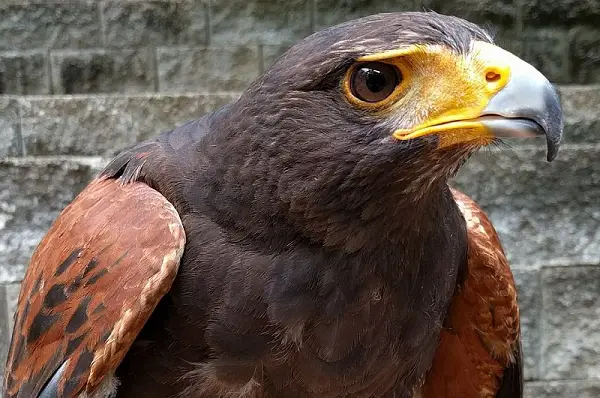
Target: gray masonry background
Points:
(81, 79)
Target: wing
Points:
(479, 355)
(91, 285)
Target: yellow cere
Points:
(442, 91)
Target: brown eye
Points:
(374, 81)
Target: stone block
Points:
(560, 13)
(33, 191)
(563, 389)
(530, 307)
(571, 322)
(24, 73)
(191, 69)
(266, 21)
(580, 105)
(333, 12)
(584, 52)
(545, 213)
(10, 134)
(155, 23)
(103, 125)
(103, 71)
(497, 12)
(547, 50)
(509, 40)
(49, 24)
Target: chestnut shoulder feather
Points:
(91, 285)
(479, 354)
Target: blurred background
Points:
(82, 79)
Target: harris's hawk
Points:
(300, 242)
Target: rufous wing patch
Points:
(480, 340)
(91, 285)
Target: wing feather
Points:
(92, 283)
(479, 354)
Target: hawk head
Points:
(379, 112)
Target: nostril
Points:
(492, 76)
(496, 77)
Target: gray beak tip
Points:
(554, 123)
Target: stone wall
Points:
(81, 79)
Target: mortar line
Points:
(49, 70)
(261, 58)
(540, 370)
(21, 76)
(154, 51)
(312, 15)
(519, 23)
(567, 59)
(19, 132)
(102, 21)
(207, 23)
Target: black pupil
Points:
(374, 79)
(374, 82)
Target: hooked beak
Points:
(519, 102)
(527, 107)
